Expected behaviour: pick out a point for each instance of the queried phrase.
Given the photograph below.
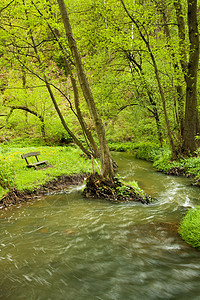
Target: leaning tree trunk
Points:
(190, 126)
(106, 160)
(68, 70)
(86, 131)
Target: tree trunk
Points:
(106, 160)
(68, 71)
(182, 36)
(180, 97)
(161, 91)
(191, 121)
(63, 121)
(86, 131)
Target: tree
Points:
(145, 38)
(26, 48)
(162, 7)
(191, 116)
(106, 160)
(136, 55)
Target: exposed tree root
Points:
(116, 191)
(177, 171)
(13, 197)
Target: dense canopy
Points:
(140, 59)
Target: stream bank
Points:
(96, 187)
(162, 160)
(64, 245)
(61, 183)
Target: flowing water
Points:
(66, 247)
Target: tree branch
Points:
(6, 6)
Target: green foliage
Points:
(122, 147)
(142, 150)
(22, 142)
(122, 190)
(28, 125)
(147, 151)
(192, 165)
(190, 227)
(55, 133)
(116, 60)
(162, 161)
(137, 189)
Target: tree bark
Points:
(175, 62)
(191, 120)
(76, 140)
(106, 160)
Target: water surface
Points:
(66, 247)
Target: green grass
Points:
(63, 161)
(190, 227)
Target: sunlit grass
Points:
(61, 160)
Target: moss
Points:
(190, 227)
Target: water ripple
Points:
(67, 247)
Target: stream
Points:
(67, 247)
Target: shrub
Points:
(190, 227)
(163, 163)
(192, 165)
(147, 151)
(122, 147)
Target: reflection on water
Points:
(67, 247)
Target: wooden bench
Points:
(34, 165)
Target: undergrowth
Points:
(143, 150)
(161, 158)
(122, 147)
(190, 227)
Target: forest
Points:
(141, 62)
(83, 79)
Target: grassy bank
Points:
(15, 174)
(62, 161)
